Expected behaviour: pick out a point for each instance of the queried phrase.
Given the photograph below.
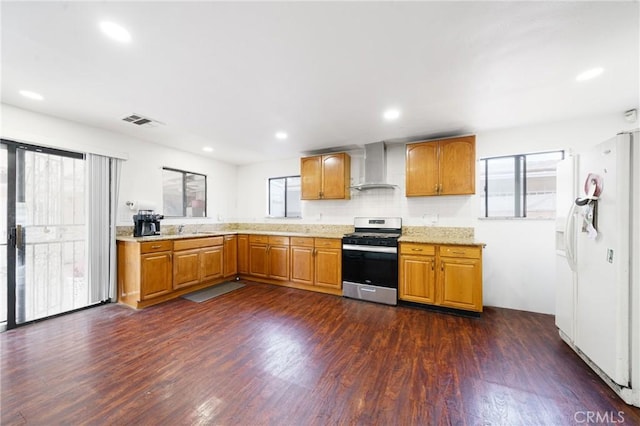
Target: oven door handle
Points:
(373, 249)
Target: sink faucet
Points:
(180, 228)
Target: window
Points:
(184, 194)
(284, 197)
(520, 185)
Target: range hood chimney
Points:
(375, 168)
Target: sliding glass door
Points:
(4, 172)
(44, 250)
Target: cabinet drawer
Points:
(302, 241)
(328, 243)
(264, 239)
(417, 248)
(278, 241)
(155, 246)
(460, 251)
(194, 243)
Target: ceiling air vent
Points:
(140, 120)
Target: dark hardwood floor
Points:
(271, 355)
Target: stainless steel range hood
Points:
(375, 168)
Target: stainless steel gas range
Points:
(370, 260)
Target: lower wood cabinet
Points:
(144, 271)
(328, 263)
(442, 275)
(417, 273)
(243, 254)
(269, 257)
(316, 262)
(230, 256)
(155, 270)
(460, 279)
(151, 272)
(197, 260)
(302, 262)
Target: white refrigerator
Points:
(598, 256)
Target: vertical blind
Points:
(103, 179)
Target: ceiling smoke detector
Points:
(140, 120)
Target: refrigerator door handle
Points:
(569, 238)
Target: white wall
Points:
(519, 259)
(141, 178)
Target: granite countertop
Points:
(410, 234)
(317, 234)
(452, 240)
(463, 236)
(131, 238)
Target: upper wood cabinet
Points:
(326, 177)
(441, 167)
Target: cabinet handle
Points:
(440, 190)
(458, 252)
(442, 266)
(436, 189)
(155, 247)
(416, 249)
(433, 265)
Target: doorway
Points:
(43, 252)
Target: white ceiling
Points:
(231, 74)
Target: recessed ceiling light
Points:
(115, 31)
(391, 114)
(31, 95)
(207, 149)
(281, 135)
(589, 74)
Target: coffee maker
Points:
(146, 223)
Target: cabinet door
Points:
(155, 274)
(279, 262)
(302, 265)
(310, 178)
(336, 169)
(230, 255)
(460, 283)
(422, 169)
(458, 166)
(243, 254)
(211, 263)
(328, 265)
(186, 268)
(417, 279)
(258, 265)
